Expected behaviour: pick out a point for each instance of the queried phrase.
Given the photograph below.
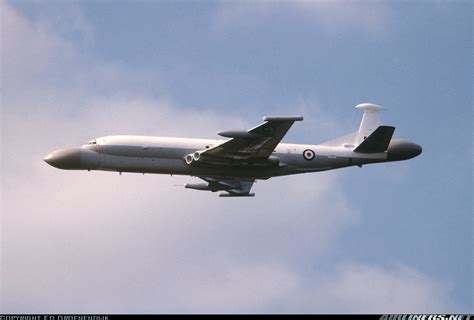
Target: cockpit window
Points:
(92, 142)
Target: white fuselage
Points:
(164, 155)
(232, 166)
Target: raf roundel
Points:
(308, 154)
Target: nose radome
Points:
(65, 158)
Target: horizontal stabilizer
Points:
(378, 141)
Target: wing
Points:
(230, 187)
(255, 144)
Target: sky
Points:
(385, 238)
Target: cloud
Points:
(332, 17)
(142, 237)
(100, 242)
(27, 50)
(371, 289)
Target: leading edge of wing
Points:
(291, 118)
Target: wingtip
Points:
(293, 118)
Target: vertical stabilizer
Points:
(370, 120)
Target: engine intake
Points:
(189, 158)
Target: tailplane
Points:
(378, 141)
